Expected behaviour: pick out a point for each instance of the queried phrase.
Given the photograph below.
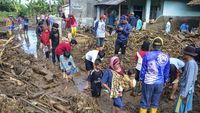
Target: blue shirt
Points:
(189, 78)
(107, 77)
(132, 21)
(26, 21)
(123, 35)
(68, 65)
(139, 24)
(168, 27)
(111, 20)
(155, 68)
(184, 27)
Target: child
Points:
(95, 79)
(46, 41)
(131, 75)
(67, 66)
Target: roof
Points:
(194, 2)
(110, 2)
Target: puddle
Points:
(29, 42)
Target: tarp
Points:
(110, 2)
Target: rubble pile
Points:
(35, 86)
(173, 44)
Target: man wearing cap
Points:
(154, 74)
(100, 28)
(123, 30)
(187, 83)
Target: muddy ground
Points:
(29, 84)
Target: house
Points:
(83, 10)
(146, 9)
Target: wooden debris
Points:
(7, 42)
(34, 105)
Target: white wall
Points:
(180, 8)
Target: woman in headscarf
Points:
(112, 81)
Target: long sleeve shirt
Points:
(68, 65)
(155, 68)
(124, 34)
(189, 77)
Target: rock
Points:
(49, 77)
(27, 62)
(181, 36)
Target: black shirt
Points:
(95, 79)
(54, 36)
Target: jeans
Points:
(99, 42)
(151, 95)
(120, 45)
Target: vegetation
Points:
(35, 7)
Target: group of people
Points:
(22, 21)
(154, 71)
(60, 48)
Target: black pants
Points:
(47, 54)
(120, 45)
(173, 73)
(54, 56)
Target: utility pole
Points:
(49, 5)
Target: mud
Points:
(32, 84)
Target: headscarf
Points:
(114, 61)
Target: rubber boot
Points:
(153, 110)
(143, 110)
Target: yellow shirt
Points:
(8, 22)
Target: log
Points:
(34, 105)
(4, 46)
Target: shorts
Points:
(88, 65)
(118, 102)
(10, 28)
(20, 26)
(25, 27)
(100, 42)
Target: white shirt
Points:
(92, 55)
(178, 63)
(101, 29)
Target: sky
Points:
(25, 1)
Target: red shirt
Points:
(45, 38)
(62, 47)
(142, 53)
(68, 23)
